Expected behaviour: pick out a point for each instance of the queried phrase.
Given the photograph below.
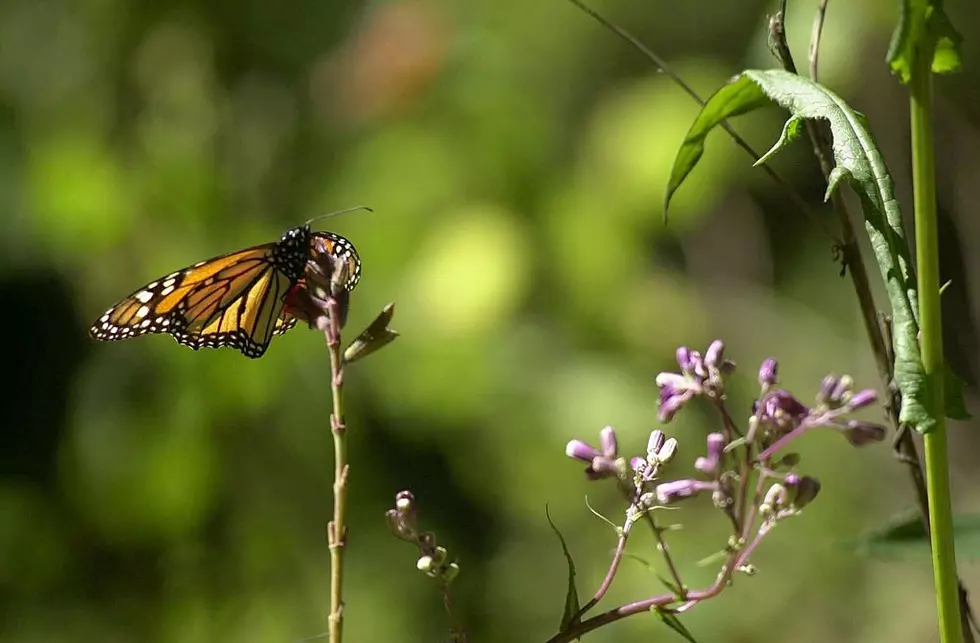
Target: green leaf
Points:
(858, 162)
(791, 131)
(731, 100)
(674, 623)
(569, 616)
(953, 393)
(924, 26)
(904, 537)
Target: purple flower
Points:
(715, 362)
(655, 441)
(843, 388)
(827, 388)
(581, 451)
(699, 376)
(675, 391)
(862, 398)
(685, 361)
(711, 465)
(660, 449)
(676, 490)
(602, 464)
(714, 356)
(782, 410)
(768, 372)
(610, 447)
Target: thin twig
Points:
(458, 634)
(815, 36)
(610, 574)
(791, 192)
(337, 528)
(733, 512)
(658, 534)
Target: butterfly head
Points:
(291, 252)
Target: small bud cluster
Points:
(433, 559)
(698, 377)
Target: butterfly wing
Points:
(244, 317)
(340, 247)
(233, 300)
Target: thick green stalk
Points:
(930, 316)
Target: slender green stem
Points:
(927, 259)
(337, 528)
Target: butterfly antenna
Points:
(335, 213)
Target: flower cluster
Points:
(738, 469)
(698, 377)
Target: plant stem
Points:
(817, 132)
(930, 316)
(337, 528)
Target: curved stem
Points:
(691, 598)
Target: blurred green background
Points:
(515, 154)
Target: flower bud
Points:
(720, 499)
(716, 445)
(783, 410)
(667, 451)
(676, 490)
(827, 387)
(648, 500)
(860, 433)
(610, 447)
(684, 359)
(768, 372)
(711, 465)
(705, 466)
(601, 467)
(862, 398)
(697, 365)
(806, 490)
(714, 356)
(439, 557)
(404, 500)
(655, 441)
(775, 499)
(581, 451)
(450, 572)
(844, 387)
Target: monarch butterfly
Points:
(233, 300)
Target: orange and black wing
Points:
(234, 300)
(340, 247)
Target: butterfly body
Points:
(233, 300)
